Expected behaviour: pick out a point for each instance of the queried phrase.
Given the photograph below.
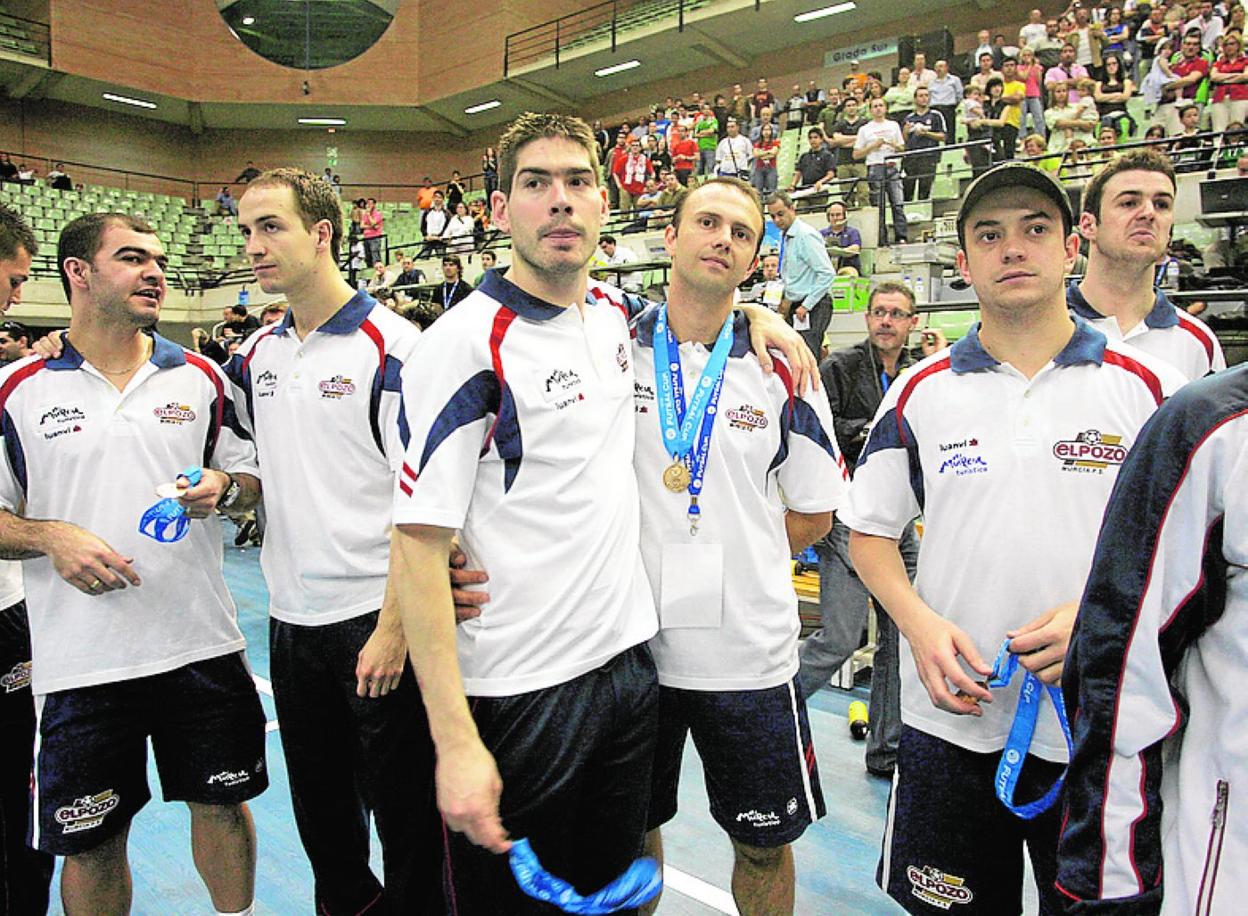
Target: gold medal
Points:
(676, 477)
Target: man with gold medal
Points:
(766, 460)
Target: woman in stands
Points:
(1111, 94)
(994, 119)
(1230, 84)
(489, 171)
(1032, 75)
(766, 149)
(974, 117)
(458, 232)
(660, 156)
(900, 97)
(1035, 148)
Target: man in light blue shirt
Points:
(947, 92)
(806, 269)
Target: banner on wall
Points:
(867, 49)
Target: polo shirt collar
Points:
(1086, 345)
(524, 304)
(347, 319)
(1163, 314)
(165, 355)
(741, 345)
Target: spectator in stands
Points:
(454, 191)
(706, 132)
(336, 184)
(1150, 34)
(856, 76)
(454, 288)
(238, 321)
(406, 281)
(768, 291)
(1229, 77)
(673, 191)
(1036, 148)
(1049, 48)
(1209, 25)
(925, 131)
(248, 173)
(226, 204)
(660, 156)
(459, 230)
(1190, 152)
(740, 105)
(273, 313)
(1032, 76)
(649, 199)
(946, 94)
(482, 233)
(1189, 72)
(816, 166)
(978, 128)
(1088, 40)
(1106, 141)
(1066, 73)
(900, 97)
(1006, 50)
(806, 270)
(815, 100)
(379, 282)
(616, 255)
(203, 344)
(1231, 145)
(684, 156)
(489, 261)
(14, 341)
(765, 116)
(734, 155)
(1034, 31)
(631, 171)
(974, 60)
(26, 174)
(8, 171)
(850, 172)
(489, 170)
(1112, 93)
(877, 139)
(1069, 119)
(373, 229)
(613, 157)
(765, 178)
(424, 195)
(795, 109)
(58, 180)
(720, 111)
(601, 135)
(994, 118)
(920, 74)
(433, 224)
(763, 98)
(1117, 32)
(840, 233)
(985, 72)
(1013, 94)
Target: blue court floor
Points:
(835, 859)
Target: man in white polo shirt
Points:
(1008, 444)
(132, 629)
(1128, 216)
(25, 873)
(322, 388)
(755, 480)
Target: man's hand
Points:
(49, 346)
(85, 561)
(200, 500)
(801, 312)
(469, 789)
(767, 329)
(468, 602)
(936, 644)
(379, 665)
(932, 340)
(1041, 644)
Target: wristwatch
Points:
(232, 493)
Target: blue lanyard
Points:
(684, 428)
(780, 253)
(166, 521)
(639, 884)
(1021, 731)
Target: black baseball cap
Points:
(1014, 175)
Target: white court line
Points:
(265, 686)
(683, 883)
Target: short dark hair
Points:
(529, 127)
(608, 239)
(315, 200)
(16, 330)
(1146, 159)
(81, 238)
(239, 309)
(15, 233)
(453, 259)
(779, 196)
(885, 287)
(736, 184)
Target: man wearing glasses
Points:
(855, 380)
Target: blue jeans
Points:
(764, 179)
(706, 162)
(1035, 108)
(843, 614)
(889, 178)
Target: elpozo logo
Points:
(1090, 451)
(175, 413)
(87, 812)
(746, 417)
(937, 888)
(337, 387)
(16, 677)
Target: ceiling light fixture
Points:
(618, 68)
(484, 106)
(323, 122)
(249, 20)
(126, 100)
(826, 11)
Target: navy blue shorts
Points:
(207, 731)
(757, 755)
(951, 846)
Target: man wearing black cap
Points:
(1007, 441)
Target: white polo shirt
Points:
(327, 421)
(11, 590)
(770, 450)
(521, 419)
(1167, 332)
(78, 450)
(1011, 477)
